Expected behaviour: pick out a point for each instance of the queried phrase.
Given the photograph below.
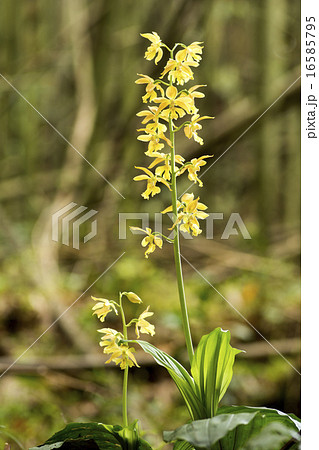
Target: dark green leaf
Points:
(203, 434)
(95, 436)
(143, 445)
(212, 368)
(83, 434)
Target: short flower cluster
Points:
(167, 107)
(114, 342)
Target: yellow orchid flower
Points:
(165, 171)
(152, 114)
(161, 128)
(192, 210)
(151, 240)
(103, 307)
(193, 167)
(191, 205)
(190, 225)
(110, 338)
(151, 179)
(192, 93)
(153, 138)
(155, 47)
(122, 355)
(177, 106)
(143, 326)
(189, 210)
(150, 87)
(192, 52)
(178, 69)
(191, 128)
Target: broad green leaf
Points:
(96, 436)
(203, 434)
(268, 415)
(212, 369)
(272, 437)
(92, 435)
(182, 378)
(264, 417)
(240, 427)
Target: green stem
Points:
(177, 255)
(125, 377)
(157, 233)
(181, 126)
(182, 167)
(124, 405)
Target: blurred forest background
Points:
(76, 61)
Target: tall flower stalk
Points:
(168, 106)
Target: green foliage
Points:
(240, 427)
(212, 371)
(205, 433)
(183, 445)
(273, 436)
(96, 436)
(128, 437)
(267, 415)
(181, 377)
(212, 368)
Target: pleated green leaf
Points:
(212, 369)
(181, 377)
